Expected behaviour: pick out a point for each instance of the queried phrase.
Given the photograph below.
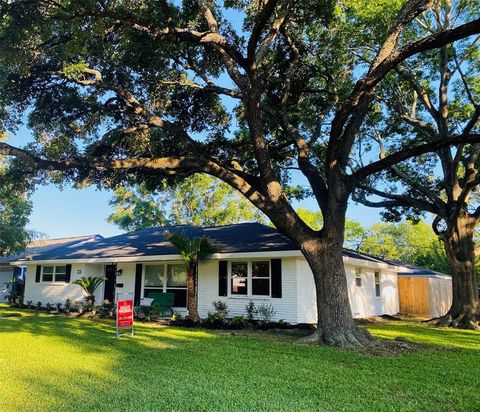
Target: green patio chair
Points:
(162, 301)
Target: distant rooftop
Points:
(39, 247)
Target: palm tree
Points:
(192, 250)
(89, 285)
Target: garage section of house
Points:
(424, 293)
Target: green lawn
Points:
(50, 363)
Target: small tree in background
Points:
(193, 250)
(14, 211)
(89, 284)
(199, 200)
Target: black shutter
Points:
(276, 266)
(38, 274)
(68, 274)
(222, 278)
(138, 283)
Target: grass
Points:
(51, 363)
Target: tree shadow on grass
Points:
(438, 337)
(77, 364)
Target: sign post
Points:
(124, 313)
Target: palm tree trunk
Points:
(192, 293)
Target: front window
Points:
(154, 275)
(239, 278)
(177, 284)
(250, 278)
(261, 278)
(170, 278)
(54, 273)
(377, 284)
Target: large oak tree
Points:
(142, 91)
(430, 98)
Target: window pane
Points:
(176, 276)
(154, 275)
(60, 270)
(239, 269)
(60, 277)
(377, 277)
(260, 270)
(180, 299)
(358, 281)
(377, 289)
(147, 292)
(261, 287)
(239, 278)
(48, 270)
(47, 278)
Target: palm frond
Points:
(89, 283)
(191, 249)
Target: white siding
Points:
(285, 307)
(127, 278)
(6, 274)
(441, 295)
(306, 302)
(48, 292)
(363, 301)
(297, 305)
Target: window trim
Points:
(250, 278)
(163, 288)
(54, 280)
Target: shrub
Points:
(15, 289)
(214, 320)
(143, 313)
(39, 305)
(106, 310)
(49, 307)
(89, 284)
(58, 305)
(68, 305)
(251, 311)
(221, 308)
(29, 304)
(176, 317)
(77, 306)
(266, 313)
(238, 322)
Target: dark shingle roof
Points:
(238, 238)
(243, 237)
(420, 271)
(41, 247)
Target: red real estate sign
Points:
(125, 313)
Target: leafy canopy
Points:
(199, 200)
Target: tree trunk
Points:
(460, 250)
(324, 255)
(192, 294)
